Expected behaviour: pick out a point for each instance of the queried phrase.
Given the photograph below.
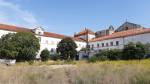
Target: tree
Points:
(45, 55)
(134, 51)
(22, 46)
(7, 47)
(141, 50)
(67, 48)
(147, 48)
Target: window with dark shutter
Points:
(92, 46)
(117, 43)
(111, 43)
(102, 44)
(107, 44)
(98, 45)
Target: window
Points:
(117, 43)
(88, 46)
(107, 44)
(52, 50)
(111, 43)
(92, 46)
(98, 45)
(39, 33)
(102, 44)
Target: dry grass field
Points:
(107, 72)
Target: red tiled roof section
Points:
(49, 34)
(22, 29)
(14, 28)
(86, 31)
(54, 35)
(122, 34)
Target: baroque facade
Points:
(104, 39)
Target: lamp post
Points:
(87, 43)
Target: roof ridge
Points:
(13, 26)
(19, 29)
(122, 34)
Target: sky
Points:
(70, 16)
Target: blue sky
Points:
(69, 16)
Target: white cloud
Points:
(20, 15)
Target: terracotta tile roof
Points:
(86, 31)
(14, 28)
(122, 34)
(54, 35)
(22, 29)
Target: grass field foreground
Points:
(107, 72)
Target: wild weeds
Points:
(107, 72)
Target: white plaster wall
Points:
(143, 38)
(80, 45)
(51, 43)
(90, 36)
(4, 32)
(120, 46)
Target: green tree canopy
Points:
(134, 51)
(45, 55)
(22, 46)
(7, 47)
(67, 48)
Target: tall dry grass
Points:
(108, 72)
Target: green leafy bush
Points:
(45, 55)
(134, 51)
(93, 59)
(55, 57)
(114, 54)
(131, 51)
(101, 56)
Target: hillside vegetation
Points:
(107, 72)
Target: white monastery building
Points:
(110, 38)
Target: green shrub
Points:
(45, 55)
(114, 54)
(101, 56)
(93, 59)
(134, 51)
(55, 57)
